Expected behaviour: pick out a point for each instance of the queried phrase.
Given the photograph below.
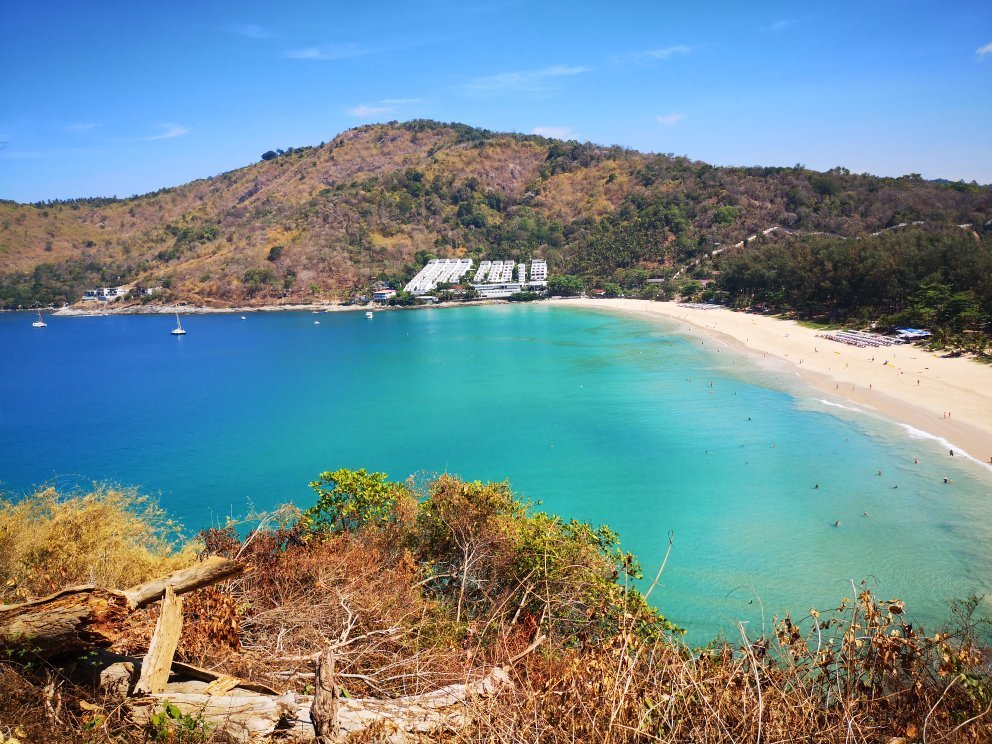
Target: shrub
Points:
(348, 500)
(726, 215)
(110, 537)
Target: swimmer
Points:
(866, 514)
(817, 485)
(837, 523)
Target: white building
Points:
(493, 279)
(105, 294)
(438, 271)
(497, 291)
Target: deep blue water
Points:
(598, 417)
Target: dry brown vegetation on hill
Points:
(421, 585)
(376, 200)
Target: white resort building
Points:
(438, 271)
(493, 279)
(105, 294)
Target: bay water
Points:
(598, 417)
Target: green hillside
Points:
(322, 222)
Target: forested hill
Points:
(322, 222)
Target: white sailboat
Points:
(40, 323)
(178, 330)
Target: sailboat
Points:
(178, 330)
(40, 323)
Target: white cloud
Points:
(363, 112)
(330, 52)
(530, 81)
(982, 51)
(81, 126)
(385, 106)
(665, 53)
(669, 119)
(782, 24)
(250, 31)
(554, 132)
(171, 132)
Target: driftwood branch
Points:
(158, 661)
(210, 571)
(324, 710)
(86, 617)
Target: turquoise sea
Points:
(596, 416)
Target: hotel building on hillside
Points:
(492, 279)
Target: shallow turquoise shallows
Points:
(598, 417)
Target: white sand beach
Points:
(948, 398)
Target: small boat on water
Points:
(368, 313)
(178, 330)
(40, 323)
(243, 318)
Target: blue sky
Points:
(116, 98)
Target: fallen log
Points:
(242, 718)
(205, 573)
(251, 718)
(86, 617)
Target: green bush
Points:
(175, 727)
(348, 500)
(485, 552)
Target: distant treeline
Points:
(55, 283)
(918, 277)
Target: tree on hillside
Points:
(565, 285)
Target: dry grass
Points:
(861, 673)
(110, 537)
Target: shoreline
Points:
(74, 311)
(905, 384)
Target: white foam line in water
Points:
(915, 433)
(841, 405)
